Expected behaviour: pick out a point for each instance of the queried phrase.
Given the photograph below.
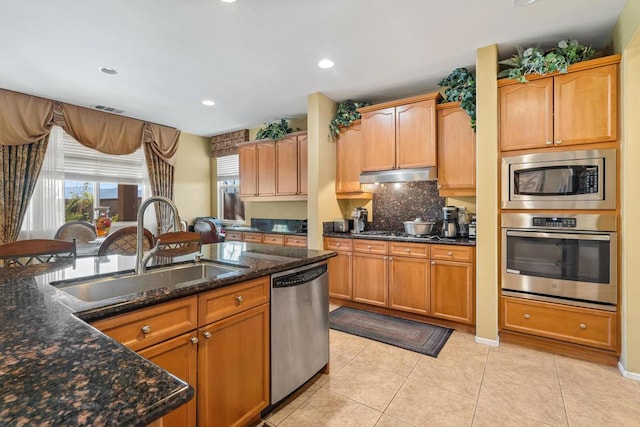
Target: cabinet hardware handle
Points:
(583, 326)
(194, 340)
(146, 329)
(549, 143)
(348, 253)
(433, 263)
(337, 244)
(390, 259)
(558, 142)
(439, 186)
(527, 316)
(450, 253)
(408, 250)
(239, 299)
(368, 246)
(206, 334)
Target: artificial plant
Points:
(346, 114)
(274, 130)
(460, 86)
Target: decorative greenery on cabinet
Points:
(346, 114)
(539, 61)
(274, 130)
(460, 86)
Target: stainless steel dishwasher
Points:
(299, 327)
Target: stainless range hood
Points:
(399, 175)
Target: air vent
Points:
(107, 109)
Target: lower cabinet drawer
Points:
(233, 235)
(147, 326)
(224, 302)
(415, 250)
(452, 253)
(273, 239)
(337, 244)
(594, 328)
(379, 247)
(252, 237)
(296, 241)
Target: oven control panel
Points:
(541, 221)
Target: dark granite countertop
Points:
(55, 369)
(256, 230)
(459, 241)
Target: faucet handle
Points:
(197, 256)
(149, 255)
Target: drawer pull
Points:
(583, 326)
(206, 334)
(558, 142)
(194, 340)
(549, 143)
(527, 316)
(433, 263)
(368, 246)
(390, 259)
(146, 329)
(450, 253)
(239, 299)
(408, 250)
(338, 244)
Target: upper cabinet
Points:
(456, 152)
(349, 163)
(274, 169)
(579, 107)
(399, 134)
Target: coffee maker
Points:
(450, 222)
(463, 222)
(359, 216)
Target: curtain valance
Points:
(227, 143)
(24, 119)
(163, 141)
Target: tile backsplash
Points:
(395, 203)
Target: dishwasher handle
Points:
(299, 277)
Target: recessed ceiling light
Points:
(325, 63)
(108, 70)
(208, 102)
(229, 1)
(523, 2)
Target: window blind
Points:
(82, 163)
(228, 168)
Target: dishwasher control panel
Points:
(300, 277)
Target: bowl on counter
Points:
(418, 227)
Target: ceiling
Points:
(257, 59)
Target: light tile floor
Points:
(469, 384)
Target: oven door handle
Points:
(573, 236)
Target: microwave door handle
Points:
(576, 236)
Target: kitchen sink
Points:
(102, 288)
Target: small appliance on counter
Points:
(450, 222)
(472, 227)
(342, 225)
(359, 216)
(463, 222)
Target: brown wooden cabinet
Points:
(178, 356)
(273, 239)
(349, 163)
(252, 237)
(590, 327)
(274, 170)
(400, 134)
(456, 152)
(291, 165)
(453, 283)
(370, 279)
(233, 236)
(295, 241)
(409, 284)
(579, 107)
(340, 268)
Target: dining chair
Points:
(35, 256)
(81, 231)
(178, 243)
(123, 242)
(207, 230)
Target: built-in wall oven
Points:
(579, 179)
(561, 257)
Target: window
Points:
(230, 207)
(75, 180)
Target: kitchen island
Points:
(56, 369)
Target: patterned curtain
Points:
(20, 166)
(158, 141)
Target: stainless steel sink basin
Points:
(102, 288)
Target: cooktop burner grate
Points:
(383, 233)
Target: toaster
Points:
(342, 225)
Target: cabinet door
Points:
(233, 366)
(348, 160)
(416, 134)
(370, 279)
(378, 140)
(456, 153)
(526, 115)
(409, 284)
(452, 291)
(302, 163)
(287, 166)
(586, 106)
(266, 168)
(340, 271)
(247, 163)
(178, 356)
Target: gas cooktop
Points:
(402, 234)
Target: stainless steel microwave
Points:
(584, 179)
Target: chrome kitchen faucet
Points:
(140, 260)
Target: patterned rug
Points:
(415, 336)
